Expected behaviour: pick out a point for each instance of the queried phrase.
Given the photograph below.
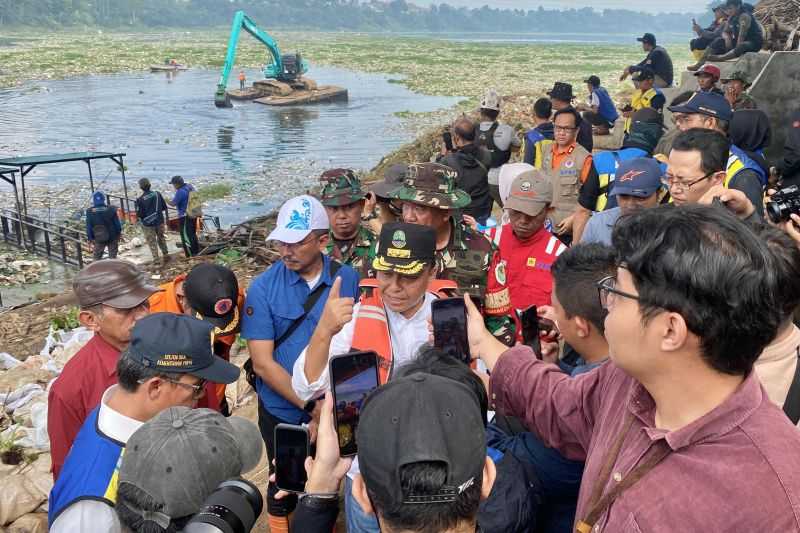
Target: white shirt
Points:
(594, 100)
(92, 515)
(405, 334)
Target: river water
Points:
(167, 125)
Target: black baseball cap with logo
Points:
(415, 419)
(180, 344)
(648, 38)
(405, 248)
(212, 291)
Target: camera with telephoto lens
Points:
(783, 203)
(233, 507)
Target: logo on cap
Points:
(630, 175)
(223, 307)
(399, 239)
(525, 186)
(298, 220)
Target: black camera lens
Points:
(233, 507)
(777, 212)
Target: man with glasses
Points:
(112, 295)
(696, 173)
(167, 364)
(569, 166)
(712, 112)
(677, 416)
(282, 308)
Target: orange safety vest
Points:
(166, 301)
(372, 328)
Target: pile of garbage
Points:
(781, 20)
(18, 269)
(24, 443)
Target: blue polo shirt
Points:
(274, 301)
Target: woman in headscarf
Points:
(748, 170)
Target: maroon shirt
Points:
(76, 392)
(737, 468)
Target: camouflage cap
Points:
(340, 186)
(737, 75)
(432, 184)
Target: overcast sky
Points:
(688, 6)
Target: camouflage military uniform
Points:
(341, 187)
(744, 101)
(467, 257)
(357, 253)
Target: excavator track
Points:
(273, 88)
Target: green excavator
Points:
(283, 82)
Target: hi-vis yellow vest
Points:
(639, 101)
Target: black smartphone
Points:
(530, 330)
(447, 137)
(353, 376)
(291, 450)
(449, 318)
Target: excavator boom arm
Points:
(241, 20)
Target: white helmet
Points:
(491, 100)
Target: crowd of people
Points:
(664, 394)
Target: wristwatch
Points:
(309, 406)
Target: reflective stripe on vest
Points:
(606, 164)
(639, 101)
(90, 472)
(371, 332)
(738, 161)
(535, 138)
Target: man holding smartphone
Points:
(391, 319)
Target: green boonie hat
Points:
(737, 75)
(405, 248)
(432, 184)
(340, 186)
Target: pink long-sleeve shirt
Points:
(736, 469)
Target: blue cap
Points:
(640, 177)
(179, 344)
(711, 104)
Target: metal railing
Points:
(39, 237)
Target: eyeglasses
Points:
(564, 129)
(197, 389)
(672, 183)
(606, 289)
(295, 245)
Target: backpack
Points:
(194, 208)
(100, 231)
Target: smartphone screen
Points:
(530, 330)
(291, 450)
(353, 377)
(449, 318)
(447, 137)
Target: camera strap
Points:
(792, 404)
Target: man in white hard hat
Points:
(499, 139)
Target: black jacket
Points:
(313, 515)
(659, 61)
(148, 204)
(789, 164)
(471, 163)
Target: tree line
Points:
(355, 15)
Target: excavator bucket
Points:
(222, 100)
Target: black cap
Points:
(561, 91)
(644, 73)
(393, 179)
(179, 344)
(648, 38)
(594, 81)
(212, 291)
(405, 248)
(176, 180)
(421, 418)
(733, 3)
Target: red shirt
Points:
(736, 468)
(76, 392)
(523, 267)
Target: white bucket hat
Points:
(491, 100)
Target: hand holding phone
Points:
(291, 450)
(530, 330)
(449, 318)
(353, 376)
